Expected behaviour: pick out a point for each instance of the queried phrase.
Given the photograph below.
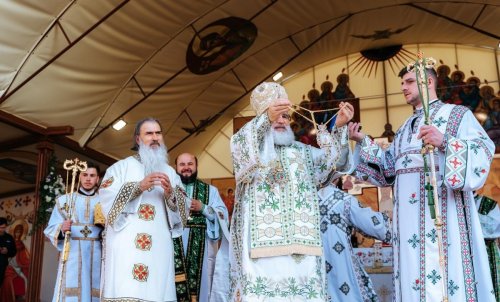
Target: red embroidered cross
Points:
(146, 212)
(457, 146)
(143, 241)
(455, 162)
(140, 272)
(454, 180)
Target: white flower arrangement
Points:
(51, 188)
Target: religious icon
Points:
(219, 43)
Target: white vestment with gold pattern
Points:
(138, 248)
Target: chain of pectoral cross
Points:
(296, 108)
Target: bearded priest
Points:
(275, 249)
(143, 200)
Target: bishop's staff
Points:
(75, 166)
(420, 66)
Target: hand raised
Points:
(166, 186)
(345, 114)
(277, 108)
(354, 133)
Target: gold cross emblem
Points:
(86, 231)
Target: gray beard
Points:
(154, 160)
(285, 138)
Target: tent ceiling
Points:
(87, 63)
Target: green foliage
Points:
(50, 188)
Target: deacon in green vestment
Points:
(195, 251)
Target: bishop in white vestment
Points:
(275, 250)
(142, 198)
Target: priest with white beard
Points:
(275, 250)
(144, 204)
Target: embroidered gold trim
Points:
(73, 291)
(95, 292)
(127, 192)
(99, 215)
(180, 278)
(170, 202)
(56, 234)
(87, 208)
(180, 198)
(85, 239)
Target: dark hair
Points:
(431, 72)
(3, 221)
(91, 164)
(137, 130)
(195, 159)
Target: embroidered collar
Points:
(138, 157)
(432, 105)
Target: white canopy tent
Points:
(70, 69)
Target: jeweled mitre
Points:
(264, 94)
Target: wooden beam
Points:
(18, 142)
(45, 150)
(17, 122)
(92, 153)
(60, 130)
(56, 134)
(32, 128)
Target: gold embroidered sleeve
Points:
(136, 191)
(128, 191)
(170, 201)
(180, 198)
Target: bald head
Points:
(186, 165)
